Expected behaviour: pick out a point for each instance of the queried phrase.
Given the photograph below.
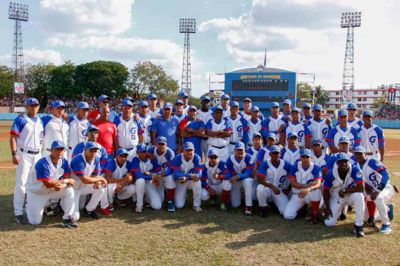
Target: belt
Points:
(370, 153)
(29, 152)
(129, 149)
(233, 143)
(221, 147)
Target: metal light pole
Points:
(187, 26)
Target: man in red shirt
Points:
(103, 102)
(107, 131)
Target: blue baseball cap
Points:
(212, 153)
(292, 134)
(318, 107)
(188, 146)
(275, 104)
(205, 98)
(247, 99)
(32, 101)
(306, 105)
(295, 109)
(275, 148)
(143, 104)
(255, 109)
(152, 96)
(271, 136)
(305, 152)
(178, 102)
(359, 149)
(317, 141)
(342, 156)
(344, 139)
(92, 128)
(162, 140)
(92, 145)
(183, 94)
(287, 101)
(343, 112)
(192, 107)
(257, 134)
(57, 104)
(218, 107)
(128, 98)
(167, 105)
(141, 148)
(83, 105)
(352, 106)
(225, 96)
(122, 151)
(234, 104)
(368, 113)
(240, 146)
(103, 98)
(127, 103)
(58, 144)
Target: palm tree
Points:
(321, 95)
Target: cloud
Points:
(100, 17)
(35, 56)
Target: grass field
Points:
(184, 237)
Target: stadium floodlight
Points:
(187, 25)
(18, 12)
(351, 19)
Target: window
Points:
(375, 92)
(365, 92)
(337, 93)
(359, 99)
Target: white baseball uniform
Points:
(77, 133)
(240, 131)
(219, 145)
(54, 129)
(290, 155)
(146, 122)
(319, 130)
(128, 132)
(209, 181)
(372, 139)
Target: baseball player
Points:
(287, 110)
(246, 112)
(272, 182)
(240, 168)
(53, 182)
(239, 126)
(186, 169)
(352, 120)
(344, 185)
(103, 101)
(26, 140)
(205, 114)
(120, 181)
(305, 178)
(344, 147)
(166, 126)
(306, 113)
(78, 125)
(55, 127)
(192, 129)
(263, 154)
(254, 122)
(291, 153)
(129, 129)
(219, 130)
(319, 157)
(154, 111)
(225, 100)
(86, 171)
(213, 181)
(319, 126)
(164, 156)
(302, 130)
(340, 130)
(274, 123)
(377, 189)
(184, 97)
(146, 121)
(256, 146)
(372, 137)
(148, 180)
(179, 111)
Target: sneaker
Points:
(171, 206)
(69, 223)
(198, 209)
(222, 207)
(385, 229)
(139, 209)
(263, 211)
(106, 211)
(371, 222)
(90, 214)
(248, 211)
(359, 231)
(391, 211)
(19, 219)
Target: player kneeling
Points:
(147, 177)
(52, 182)
(273, 182)
(379, 192)
(213, 180)
(344, 185)
(120, 181)
(86, 171)
(305, 178)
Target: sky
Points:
(299, 35)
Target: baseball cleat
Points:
(359, 231)
(69, 223)
(106, 212)
(171, 206)
(391, 211)
(139, 209)
(198, 209)
(248, 211)
(90, 214)
(385, 229)
(371, 222)
(19, 219)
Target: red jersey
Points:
(107, 134)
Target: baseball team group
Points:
(294, 162)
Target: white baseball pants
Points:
(336, 206)
(180, 193)
(295, 203)
(265, 195)
(87, 189)
(248, 185)
(146, 187)
(224, 185)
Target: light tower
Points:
(18, 12)
(349, 20)
(187, 26)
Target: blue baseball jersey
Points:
(117, 171)
(101, 154)
(242, 167)
(80, 167)
(179, 167)
(139, 167)
(195, 124)
(166, 128)
(207, 176)
(46, 170)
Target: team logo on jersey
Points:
(85, 132)
(324, 131)
(132, 130)
(372, 139)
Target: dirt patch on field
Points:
(4, 165)
(392, 147)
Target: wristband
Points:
(13, 153)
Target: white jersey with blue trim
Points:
(254, 127)
(371, 170)
(78, 130)
(371, 138)
(156, 113)
(205, 116)
(128, 132)
(291, 156)
(277, 175)
(30, 132)
(146, 122)
(319, 130)
(54, 129)
(356, 123)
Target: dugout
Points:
(262, 85)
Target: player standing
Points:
(372, 138)
(240, 128)
(78, 125)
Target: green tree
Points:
(321, 96)
(101, 77)
(146, 77)
(381, 101)
(37, 81)
(62, 81)
(304, 93)
(6, 81)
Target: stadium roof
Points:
(259, 69)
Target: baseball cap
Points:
(275, 104)
(292, 134)
(368, 113)
(306, 105)
(287, 101)
(57, 104)
(188, 146)
(257, 135)
(275, 148)
(342, 156)
(122, 151)
(351, 106)
(343, 112)
(141, 148)
(305, 152)
(192, 107)
(127, 103)
(183, 94)
(58, 144)
(162, 140)
(128, 98)
(318, 107)
(143, 104)
(92, 128)
(317, 141)
(271, 136)
(218, 107)
(32, 101)
(247, 99)
(295, 109)
(234, 104)
(103, 98)
(152, 96)
(92, 145)
(255, 109)
(225, 96)
(212, 153)
(344, 139)
(359, 149)
(83, 105)
(178, 102)
(167, 105)
(205, 98)
(239, 146)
